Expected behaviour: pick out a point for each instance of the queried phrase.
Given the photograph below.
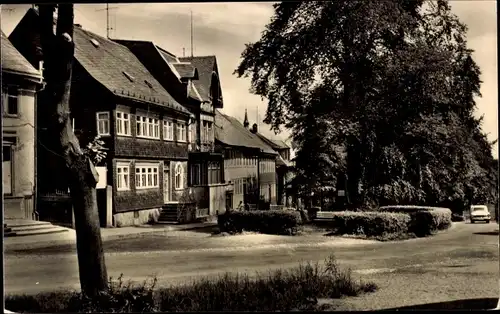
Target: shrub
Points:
(304, 216)
(268, 221)
(371, 224)
(457, 217)
(424, 220)
(425, 223)
(279, 290)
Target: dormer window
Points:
(130, 77)
(95, 43)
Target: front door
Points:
(7, 169)
(166, 186)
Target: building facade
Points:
(193, 82)
(249, 163)
(283, 169)
(20, 83)
(146, 131)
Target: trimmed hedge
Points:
(371, 224)
(389, 222)
(263, 221)
(424, 220)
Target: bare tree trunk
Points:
(58, 52)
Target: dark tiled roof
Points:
(275, 144)
(13, 60)
(151, 50)
(280, 144)
(186, 70)
(205, 66)
(229, 131)
(170, 57)
(108, 63)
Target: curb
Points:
(111, 237)
(158, 230)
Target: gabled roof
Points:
(206, 65)
(275, 144)
(229, 131)
(116, 68)
(119, 70)
(164, 58)
(280, 144)
(14, 61)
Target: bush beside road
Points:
(388, 223)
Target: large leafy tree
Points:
(392, 82)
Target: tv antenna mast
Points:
(191, 33)
(108, 26)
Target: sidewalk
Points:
(107, 234)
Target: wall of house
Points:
(217, 194)
(145, 147)
(20, 130)
(23, 153)
(236, 171)
(136, 199)
(267, 178)
(136, 218)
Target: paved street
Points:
(460, 263)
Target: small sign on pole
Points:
(102, 183)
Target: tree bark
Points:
(58, 52)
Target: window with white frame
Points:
(207, 132)
(123, 123)
(147, 175)
(168, 130)
(123, 176)
(147, 127)
(181, 131)
(102, 123)
(11, 101)
(179, 176)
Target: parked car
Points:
(479, 213)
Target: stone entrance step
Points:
(16, 227)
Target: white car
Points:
(479, 213)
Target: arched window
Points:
(179, 176)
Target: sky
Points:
(223, 29)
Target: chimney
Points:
(254, 128)
(245, 121)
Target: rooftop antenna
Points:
(191, 33)
(108, 27)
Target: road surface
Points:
(459, 263)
